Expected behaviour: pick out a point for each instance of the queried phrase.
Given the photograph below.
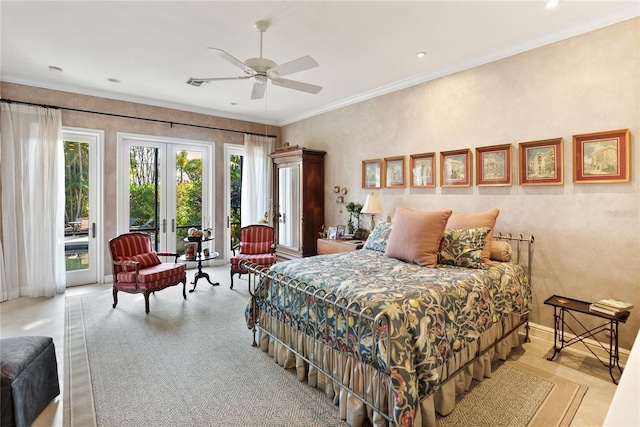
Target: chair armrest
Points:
(122, 265)
(235, 248)
(273, 248)
(173, 254)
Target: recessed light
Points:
(112, 80)
(55, 69)
(552, 3)
(234, 104)
(421, 54)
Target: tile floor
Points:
(45, 316)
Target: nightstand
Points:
(567, 306)
(334, 246)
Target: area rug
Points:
(517, 395)
(190, 363)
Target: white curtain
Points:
(256, 180)
(32, 187)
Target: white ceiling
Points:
(364, 48)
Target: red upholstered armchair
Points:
(137, 269)
(256, 245)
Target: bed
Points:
(391, 339)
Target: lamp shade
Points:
(372, 205)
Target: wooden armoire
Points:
(298, 201)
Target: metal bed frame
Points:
(364, 320)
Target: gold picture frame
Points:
(456, 168)
(493, 166)
(371, 173)
(540, 162)
(422, 170)
(394, 172)
(602, 157)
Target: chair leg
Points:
(231, 287)
(184, 287)
(115, 297)
(146, 302)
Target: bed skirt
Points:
(315, 362)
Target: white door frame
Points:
(95, 139)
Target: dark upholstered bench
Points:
(29, 378)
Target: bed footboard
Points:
(292, 330)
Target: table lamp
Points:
(372, 206)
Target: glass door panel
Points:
(81, 206)
(145, 191)
(234, 155)
(188, 194)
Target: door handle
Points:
(173, 225)
(93, 230)
(164, 225)
(228, 222)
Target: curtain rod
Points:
(11, 101)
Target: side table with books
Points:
(564, 306)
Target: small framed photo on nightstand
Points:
(331, 234)
(340, 231)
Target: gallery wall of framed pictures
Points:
(600, 157)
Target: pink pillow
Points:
(477, 220)
(146, 260)
(255, 248)
(416, 236)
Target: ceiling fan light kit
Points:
(263, 69)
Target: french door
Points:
(83, 236)
(164, 188)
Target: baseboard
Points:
(546, 333)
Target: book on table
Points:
(613, 304)
(606, 310)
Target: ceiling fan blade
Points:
(292, 84)
(295, 66)
(213, 79)
(248, 70)
(258, 90)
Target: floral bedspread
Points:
(434, 312)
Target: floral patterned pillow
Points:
(462, 247)
(378, 238)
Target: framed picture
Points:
(493, 165)
(190, 250)
(455, 168)
(331, 234)
(601, 157)
(340, 231)
(394, 172)
(540, 162)
(423, 170)
(371, 173)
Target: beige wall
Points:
(587, 235)
(112, 125)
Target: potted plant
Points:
(208, 232)
(354, 220)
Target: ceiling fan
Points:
(263, 69)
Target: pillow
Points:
(500, 251)
(416, 236)
(463, 247)
(379, 237)
(477, 220)
(146, 260)
(255, 248)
